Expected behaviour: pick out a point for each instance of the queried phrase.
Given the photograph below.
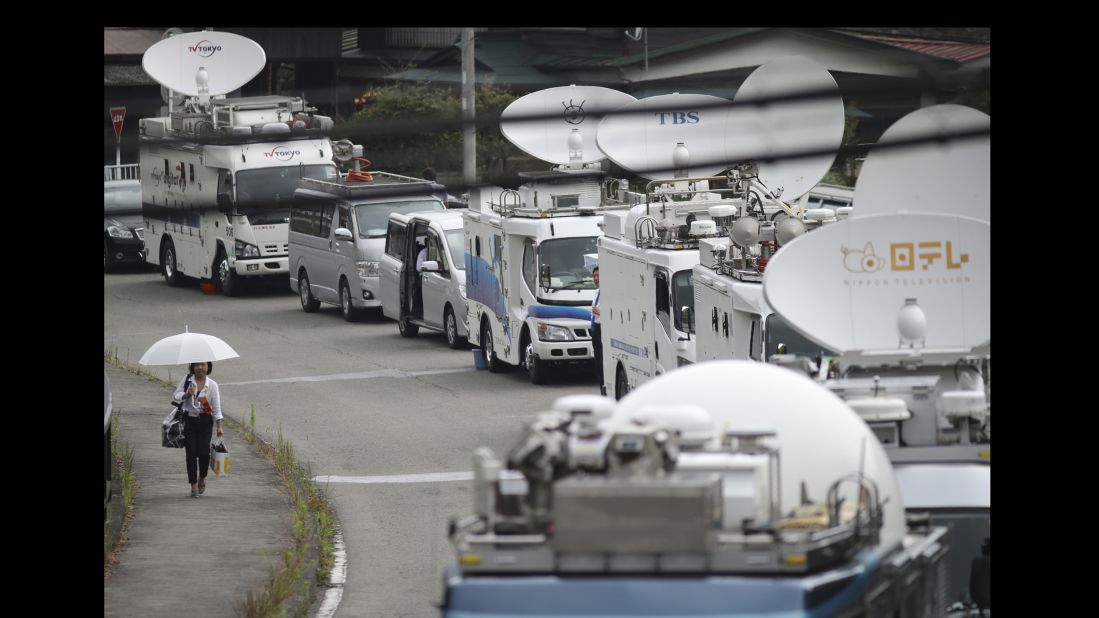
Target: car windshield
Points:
(264, 194)
(565, 258)
(456, 239)
(373, 218)
(683, 294)
(122, 200)
(780, 332)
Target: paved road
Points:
(356, 400)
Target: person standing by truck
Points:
(597, 333)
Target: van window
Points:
(394, 239)
(372, 218)
(310, 216)
(477, 243)
(455, 239)
(435, 252)
(663, 301)
(343, 218)
(529, 265)
(326, 220)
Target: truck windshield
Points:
(373, 218)
(456, 239)
(779, 331)
(264, 194)
(683, 293)
(565, 258)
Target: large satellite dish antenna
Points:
(848, 285)
(753, 133)
(558, 115)
(229, 61)
(652, 137)
(949, 176)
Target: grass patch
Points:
(314, 521)
(123, 456)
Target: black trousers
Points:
(196, 443)
(597, 348)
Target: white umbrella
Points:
(187, 348)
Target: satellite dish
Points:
(788, 228)
(951, 176)
(177, 98)
(867, 269)
(170, 32)
(553, 115)
(230, 61)
(343, 150)
(819, 438)
(650, 136)
(753, 133)
(745, 232)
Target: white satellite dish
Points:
(819, 438)
(554, 114)
(753, 133)
(846, 285)
(230, 61)
(951, 176)
(644, 136)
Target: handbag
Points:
(174, 425)
(219, 458)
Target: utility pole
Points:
(469, 130)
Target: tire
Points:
(168, 264)
(621, 385)
(108, 259)
(450, 327)
(308, 303)
(227, 279)
(407, 328)
(536, 368)
(495, 365)
(350, 313)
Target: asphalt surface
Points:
(188, 556)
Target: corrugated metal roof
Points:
(129, 41)
(950, 50)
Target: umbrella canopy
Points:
(187, 348)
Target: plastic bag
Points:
(219, 458)
(171, 430)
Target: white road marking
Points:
(431, 477)
(336, 578)
(368, 375)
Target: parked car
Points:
(123, 226)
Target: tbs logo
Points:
(677, 117)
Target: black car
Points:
(123, 226)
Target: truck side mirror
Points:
(545, 276)
(225, 203)
(429, 266)
(685, 318)
(342, 233)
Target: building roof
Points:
(949, 50)
(129, 41)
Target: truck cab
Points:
(423, 277)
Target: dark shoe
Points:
(202, 487)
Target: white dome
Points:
(818, 437)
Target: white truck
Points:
(218, 174)
(529, 288)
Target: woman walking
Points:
(202, 408)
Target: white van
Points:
(432, 295)
(337, 236)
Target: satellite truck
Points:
(646, 258)
(218, 173)
(528, 251)
(908, 324)
(729, 488)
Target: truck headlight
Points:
(245, 250)
(549, 332)
(368, 269)
(119, 232)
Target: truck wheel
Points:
(493, 362)
(621, 385)
(227, 278)
(168, 266)
(536, 369)
(308, 303)
(407, 328)
(350, 313)
(450, 324)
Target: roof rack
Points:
(381, 182)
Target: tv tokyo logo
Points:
(282, 153)
(204, 48)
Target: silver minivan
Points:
(423, 274)
(337, 236)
